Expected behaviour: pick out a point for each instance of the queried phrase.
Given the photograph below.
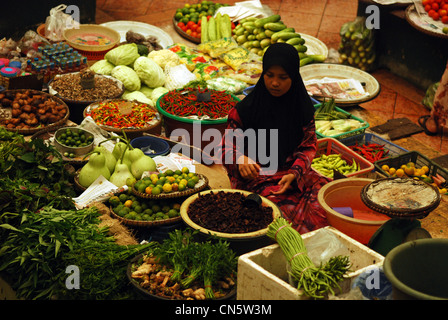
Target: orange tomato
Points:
(442, 12)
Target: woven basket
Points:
(395, 212)
(136, 262)
(131, 133)
(142, 223)
(184, 34)
(34, 130)
(201, 185)
(83, 103)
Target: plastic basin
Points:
(347, 193)
(158, 145)
(417, 270)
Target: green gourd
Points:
(120, 148)
(95, 167)
(110, 159)
(121, 174)
(140, 163)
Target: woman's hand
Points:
(248, 168)
(285, 183)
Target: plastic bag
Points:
(357, 47)
(325, 245)
(218, 47)
(236, 57)
(57, 22)
(230, 85)
(177, 77)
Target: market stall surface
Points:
(321, 19)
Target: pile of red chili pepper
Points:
(370, 151)
(185, 103)
(108, 114)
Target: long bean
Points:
(314, 281)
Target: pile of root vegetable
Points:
(181, 268)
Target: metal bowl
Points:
(77, 151)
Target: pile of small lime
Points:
(167, 182)
(129, 206)
(194, 12)
(71, 138)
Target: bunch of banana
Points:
(257, 34)
(357, 47)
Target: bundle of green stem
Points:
(327, 111)
(315, 281)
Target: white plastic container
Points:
(263, 275)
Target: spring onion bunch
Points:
(314, 281)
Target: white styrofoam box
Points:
(263, 275)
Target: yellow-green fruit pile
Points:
(167, 182)
(128, 206)
(357, 47)
(257, 34)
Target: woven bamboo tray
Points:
(143, 223)
(137, 261)
(184, 34)
(34, 130)
(401, 197)
(201, 185)
(155, 127)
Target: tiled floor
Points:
(321, 19)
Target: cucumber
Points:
(204, 32)
(305, 61)
(269, 33)
(275, 36)
(275, 26)
(301, 48)
(226, 31)
(262, 21)
(302, 55)
(211, 29)
(249, 26)
(241, 39)
(238, 30)
(289, 35)
(261, 36)
(218, 25)
(265, 43)
(295, 40)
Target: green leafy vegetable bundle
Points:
(36, 254)
(195, 262)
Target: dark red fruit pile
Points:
(225, 212)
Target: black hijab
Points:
(288, 113)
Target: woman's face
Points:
(277, 81)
